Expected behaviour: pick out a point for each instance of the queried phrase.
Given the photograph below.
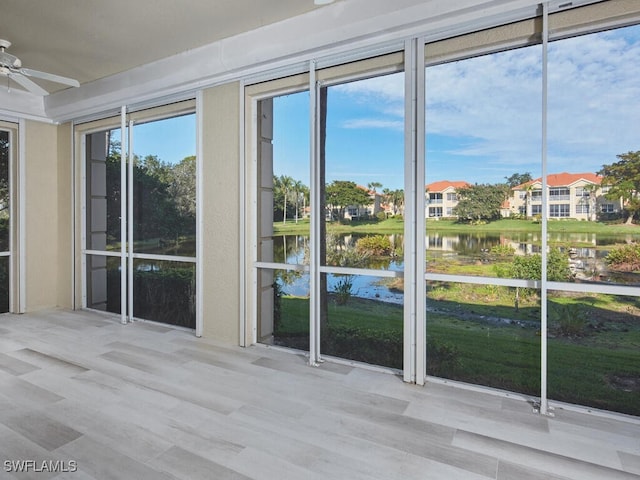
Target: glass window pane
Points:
(594, 359)
(103, 283)
(362, 319)
(4, 284)
(4, 190)
(594, 154)
(283, 189)
(283, 309)
(165, 292)
(483, 155)
(164, 197)
(479, 334)
(103, 187)
(362, 164)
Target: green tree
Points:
(300, 191)
(395, 198)
(373, 186)
(341, 193)
(518, 179)
(155, 212)
(623, 177)
(183, 186)
(592, 197)
(285, 184)
(164, 197)
(529, 267)
(480, 202)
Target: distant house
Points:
(441, 198)
(359, 212)
(579, 196)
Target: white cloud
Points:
(490, 107)
(374, 123)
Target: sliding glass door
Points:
(6, 146)
(140, 222)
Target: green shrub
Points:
(376, 245)
(625, 258)
(362, 344)
(166, 295)
(530, 266)
(341, 255)
(381, 216)
(442, 358)
(343, 289)
(502, 250)
(569, 320)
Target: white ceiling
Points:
(133, 52)
(91, 39)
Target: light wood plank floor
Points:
(148, 402)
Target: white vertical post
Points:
(419, 234)
(12, 221)
(314, 234)
(200, 220)
(83, 219)
(123, 216)
(544, 404)
(22, 217)
(414, 366)
(409, 331)
(130, 223)
(72, 206)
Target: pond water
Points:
(587, 252)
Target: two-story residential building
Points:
(441, 198)
(579, 196)
(358, 212)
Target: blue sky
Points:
(483, 116)
(171, 139)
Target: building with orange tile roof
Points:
(441, 198)
(579, 196)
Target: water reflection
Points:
(461, 253)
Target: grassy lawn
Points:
(466, 341)
(396, 225)
(474, 332)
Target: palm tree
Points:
(373, 185)
(592, 189)
(297, 187)
(286, 184)
(528, 191)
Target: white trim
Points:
(168, 258)
(410, 186)
(83, 219)
(242, 176)
(420, 225)
(315, 313)
(13, 147)
(22, 217)
(361, 271)
(199, 215)
(123, 216)
(544, 333)
(104, 253)
(253, 248)
(129, 218)
(72, 210)
(282, 266)
(505, 282)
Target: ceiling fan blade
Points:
(50, 76)
(28, 84)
